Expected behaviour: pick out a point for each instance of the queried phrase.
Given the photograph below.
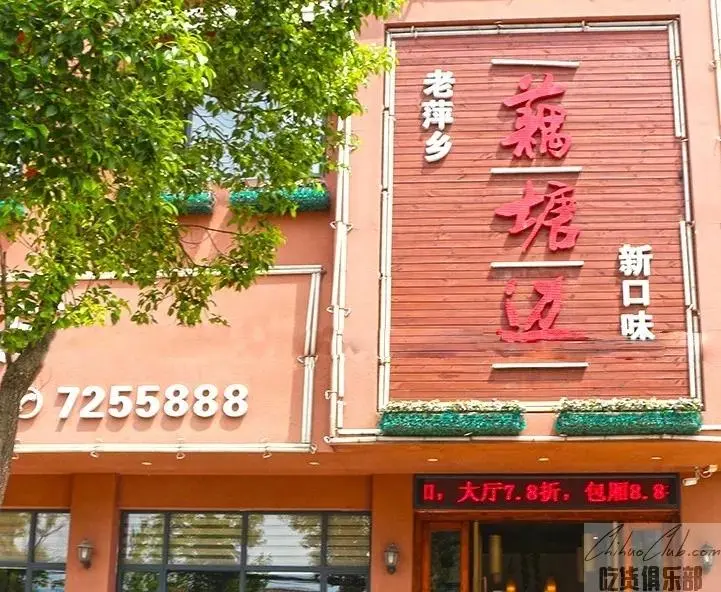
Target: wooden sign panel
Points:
(539, 244)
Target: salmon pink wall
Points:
(392, 523)
(258, 350)
(245, 493)
(94, 517)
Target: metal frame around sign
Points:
(685, 225)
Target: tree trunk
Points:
(18, 378)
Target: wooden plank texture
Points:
(447, 302)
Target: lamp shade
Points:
(85, 552)
(390, 557)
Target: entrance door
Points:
(470, 556)
(445, 557)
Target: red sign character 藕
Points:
(541, 119)
(557, 215)
(542, 316)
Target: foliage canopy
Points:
(97, 96)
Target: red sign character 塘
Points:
(557, 215)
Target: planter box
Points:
(198, 203)
(307, 199)
(631, 423)
(452, 423)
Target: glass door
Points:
(445, 561)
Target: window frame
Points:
(30, 565)
(317, 172)
(242, 568)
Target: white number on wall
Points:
(71, 393)
(146, 404)
(119, 403)
(176, 400)
(206, 403)
(91, 409)
(236, 404)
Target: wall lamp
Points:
(85, 553)
(708, 556)
(390, 557)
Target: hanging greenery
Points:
(628, 416)
(452, 418)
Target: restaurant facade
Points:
(501, 331)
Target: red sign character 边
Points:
(537, 123)
(538, 326)
(557, 215)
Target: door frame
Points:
(423, 548)
(427, 521)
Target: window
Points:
(244, 552)
(33, 551)
(204, 123)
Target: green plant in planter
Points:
(197, 203)
(452, 418)
(628, 416)
(314, 198)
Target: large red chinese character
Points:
(544, 119)
(557, 215)
(595, 492)
(543, 315)
(618, 491)
(468, 493)
(490, 491)
(550, 491)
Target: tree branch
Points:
(208, 228)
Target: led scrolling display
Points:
(580, 492)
